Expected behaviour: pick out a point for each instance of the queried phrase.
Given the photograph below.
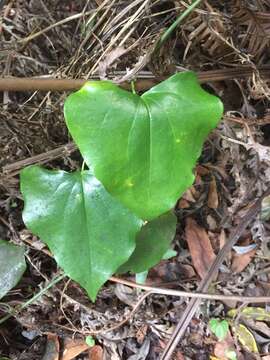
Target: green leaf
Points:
(89, 232)
(143, 148)
(219, 327)
(152, 243)
(90, 341)
(12, 266)
(249, 312)
(170, 253)
(141, 277)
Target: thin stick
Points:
(149, 290)
(51, 84)
(188, 294)
(61, 151)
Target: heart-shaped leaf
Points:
(89, 232)
(152, 243)
(219, 327)
(143, 148)
(12, 266)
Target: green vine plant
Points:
(140, 151)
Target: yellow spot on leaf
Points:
(129, 182)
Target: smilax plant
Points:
(140, 151)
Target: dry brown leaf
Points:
(169, 271)
(141, 333)
(95, 353)
(188, 195)
(201, 170)
(52, 347)
(188, 271)
(240, 262)
(73, 348)
(222, 347)
(211, 222)
(200, 247)
(222, 239)
(179, 356)
(183, 204)
(212, 201)
(109, 60)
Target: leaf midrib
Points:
(89, 252)
(150, 148)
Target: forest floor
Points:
(115, 40)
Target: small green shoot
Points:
(141, 277)
(90, 341)
(219, 327)
(231, 354)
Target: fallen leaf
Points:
(250, 312)
(73, 348)
(241, 250)
(183, 204)
(222, 239)
(265, 211)
(200, 247)
(95, 353)
(261, 331)
(222, 348)
(246, 338)
(201, 170)
(193, 190)
(141, 333)
(125, 294)
(12, 266)
(109, 60)
(179, 356)
(142, 352)
(211, 222)
(189, 196)
(52, 348)
(240, 262)
(212, 200)
(188, 271)
(169, 271)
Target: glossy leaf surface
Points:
(152, 244)
(90, 233)
(143, 148)
(12, 266)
